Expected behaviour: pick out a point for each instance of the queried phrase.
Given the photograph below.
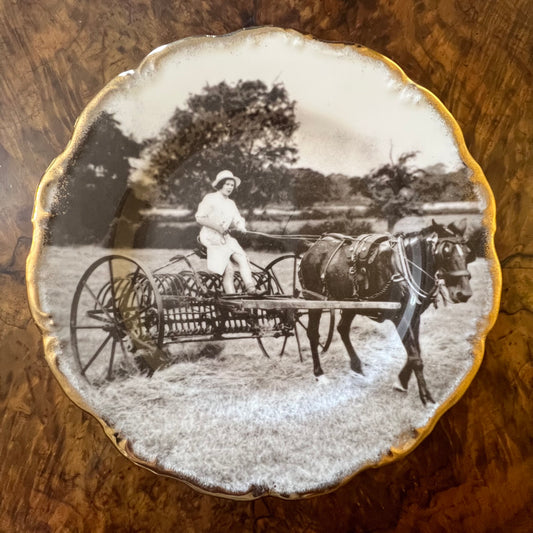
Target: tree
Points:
(358, 186)
(391, 189)
(441, 185)
(340, 188)
(308, 187)
(93, 186)
(246, 128)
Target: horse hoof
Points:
(399, 387)
(427, 402)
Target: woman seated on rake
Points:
(217, 215)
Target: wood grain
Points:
(473, 473)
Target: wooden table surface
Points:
(59, 472)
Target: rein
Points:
(405, 271)
(285, 237)
(440, 275)
(404, 263)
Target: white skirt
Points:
(220, 248)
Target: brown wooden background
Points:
(58, 471)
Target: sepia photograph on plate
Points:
(264, 263)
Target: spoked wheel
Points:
(116, 319)
(283, 281)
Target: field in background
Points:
(170, 232)
(377, 225)
(235, 419)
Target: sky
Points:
(354, 111)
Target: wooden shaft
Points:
(299, 303)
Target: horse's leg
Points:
(406, 322)
(343, 328)
(405, 373)
(420, 378)
(414, 363)
(312, 334)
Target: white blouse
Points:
(217, 214)
(218, 211)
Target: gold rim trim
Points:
(44, 196)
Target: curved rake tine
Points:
(283, 347)
(95, 355)
(264, 350)
(138, 313)
(262, 346)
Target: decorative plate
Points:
(365, 215)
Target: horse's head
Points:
(452, 256)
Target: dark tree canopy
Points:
(437, 184)
(309, 187)
(391, 187)
(246, 128)
(94, 185)
(398, 189)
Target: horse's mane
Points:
(440, 229)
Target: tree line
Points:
(247, 127)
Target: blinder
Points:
(441, 253)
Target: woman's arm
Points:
(238, 221)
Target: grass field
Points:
(235, 419)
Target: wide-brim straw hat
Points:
(224, 175)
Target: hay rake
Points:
(125, 317)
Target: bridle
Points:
(441, 251)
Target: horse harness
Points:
(440, 251)
(362, 251)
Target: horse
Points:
(412, 269)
